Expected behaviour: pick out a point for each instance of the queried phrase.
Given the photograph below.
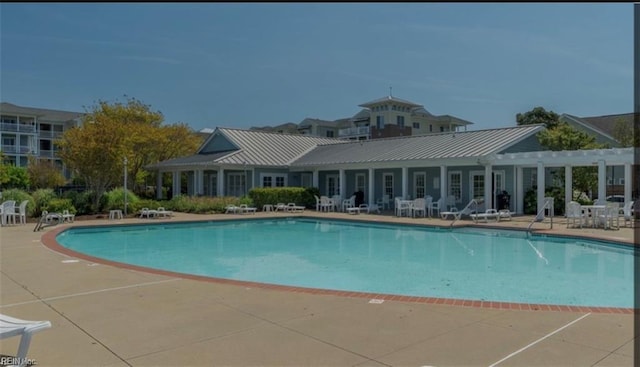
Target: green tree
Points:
(565, 137)
(538, 115)
(44, 174)
(112, 131)
(623, 132)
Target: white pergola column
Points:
(159, 186)
(568, 185)
(176, 182)
(253, 181)
(628, 182)
(343, 184)
(602, 179)
(443, 182)
(488, 183)
(519, 182)
(315, 179)
(220, 178)
(540, 190)
(372, 188)
(405, 182)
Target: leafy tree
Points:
(44, 174)
(17, 177)
(565, 137)
(538, 115)
(623, 132)
(112, 131)
(4, 170)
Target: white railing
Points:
(351, 131)
(17, 127)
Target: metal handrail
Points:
(456, 217)
(547, 202)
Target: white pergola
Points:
(569, 159)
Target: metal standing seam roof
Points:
(259, 148)
(41, 113)
(447, 145)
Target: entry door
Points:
(333, 185)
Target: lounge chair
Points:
(164, 213)
(369, 208)
(488, 214)
(504, 214)
(66, 216)
(149, 213)
(10, 326)
(233, 209)
(453, 212)
(244, 208)
(280, 207)
(292, 207)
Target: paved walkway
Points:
(104, 315)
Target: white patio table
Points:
(591, 213)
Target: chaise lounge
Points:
(10, 326)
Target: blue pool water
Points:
(473, 264)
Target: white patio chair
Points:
(8, 212)
(384, 202)
(10, 326)
(68, 217)
(574, 214)
(349, 203)
(437, 206)
(22, 212)
(627, 213)
(609, 215)
(419, 206)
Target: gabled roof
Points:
(480, 143)
(311, 121)
(253, 148)
(41, 113)
(602, 125)
(607, 123)
(389, 99)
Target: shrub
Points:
(58, 205)
(82, 201)
(19, 196)
(114, 199)
(531, 200)
(41, 198)
(203, 204)
(273, 195)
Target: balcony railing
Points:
(14, 149)
(23, 128)
(49, 134)
(354, 131)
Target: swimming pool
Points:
(469, 264)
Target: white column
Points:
(220, 178)
(343, 184)
(315, 179)
(602, 179)
(628, 182)
(405, 182)
(488, 183)
(519, 185)
(443, 182)
(568, 185)
(159, 186)
(252, 182)
(372, 187)
(176, 183)
(540, 191)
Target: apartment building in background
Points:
(26, 131)
(384, 118)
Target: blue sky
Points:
(256, 64)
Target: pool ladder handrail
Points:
(472, 202)
(548, 204)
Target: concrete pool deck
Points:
(104, 315)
